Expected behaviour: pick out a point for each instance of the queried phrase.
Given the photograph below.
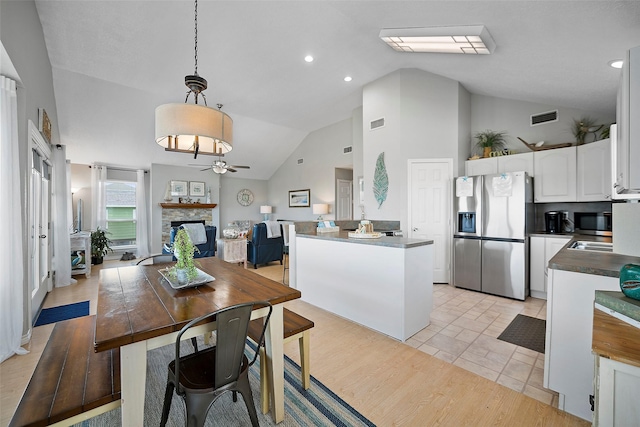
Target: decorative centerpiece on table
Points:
(99, 245)
(489, 141)
(630, 280)
(183, 249)
(365, 231)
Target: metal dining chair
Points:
(201, 377)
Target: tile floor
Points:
(464, 329)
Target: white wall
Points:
(231, 210)
(514, 117)
(23, 39)
(421, 112)
(160, 176)
(322, 152)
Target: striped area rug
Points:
(317, 406)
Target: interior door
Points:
(429, 210)
(39, 215)
(345, 199)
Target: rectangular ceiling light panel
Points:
(470, 39)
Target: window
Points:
(121, 213)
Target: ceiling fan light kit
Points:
(193, 128)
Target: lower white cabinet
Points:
(541, 250)
(617, 391)
(569, 360)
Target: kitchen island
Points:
(383, 283)
(574, 277)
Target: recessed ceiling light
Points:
(347, 79)
(470, 39)
(616, 63)
(308, 58)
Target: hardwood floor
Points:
(389, 382)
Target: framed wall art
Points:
(299, 198)
(178, 188)
(196, 188)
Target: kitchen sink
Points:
(592, 246)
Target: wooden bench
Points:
(295, 327)
(71, 382)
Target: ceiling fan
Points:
(221, 167)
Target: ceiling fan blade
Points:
(240, 167)
(230, 169)
(205, 169)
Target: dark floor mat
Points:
(525, 331)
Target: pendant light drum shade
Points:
(183, 127)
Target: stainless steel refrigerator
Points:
(493, 216)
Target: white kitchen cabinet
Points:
(481, 166)
(541, 250)
(555, 175)
(569, 361)
(617, 391)
(594, 171)
(516, 163)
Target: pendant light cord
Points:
(196, 38)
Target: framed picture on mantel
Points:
(178, 188)
(196, 188)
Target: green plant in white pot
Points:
(183, 249)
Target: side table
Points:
(80, 242)
(233, 250)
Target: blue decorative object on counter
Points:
(630, 280)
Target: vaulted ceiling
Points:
(115, 61)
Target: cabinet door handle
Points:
(414, 229)
(43, 236)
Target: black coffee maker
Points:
(553, 221)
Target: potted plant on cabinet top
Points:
(490, 141)
(99, 245)
(183, 249)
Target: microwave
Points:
(594, 223)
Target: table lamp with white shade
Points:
(320, 209)
(266, 210)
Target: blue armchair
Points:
(206, 249)
(263, 250)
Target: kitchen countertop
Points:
(619, 303)
(388, 241)
(589, 262)
(545, 234)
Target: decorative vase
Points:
(167, 193)
(232, 231)
(630, 281)
(486, 152)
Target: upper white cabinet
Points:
(555, 175)
(481, 166)
(594, 171)
(516, 163)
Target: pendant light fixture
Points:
(194, 128)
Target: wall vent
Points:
(347, 150)
(548, 117)
(300, 161)
(375, 124)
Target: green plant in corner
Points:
(99, 245)
(489, 141)
(183, 250)
(584, 126)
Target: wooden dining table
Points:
(138, 311)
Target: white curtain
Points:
(142, 223)
(12, 281)
(61, 193)
(98, 197)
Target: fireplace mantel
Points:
(188, 205)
